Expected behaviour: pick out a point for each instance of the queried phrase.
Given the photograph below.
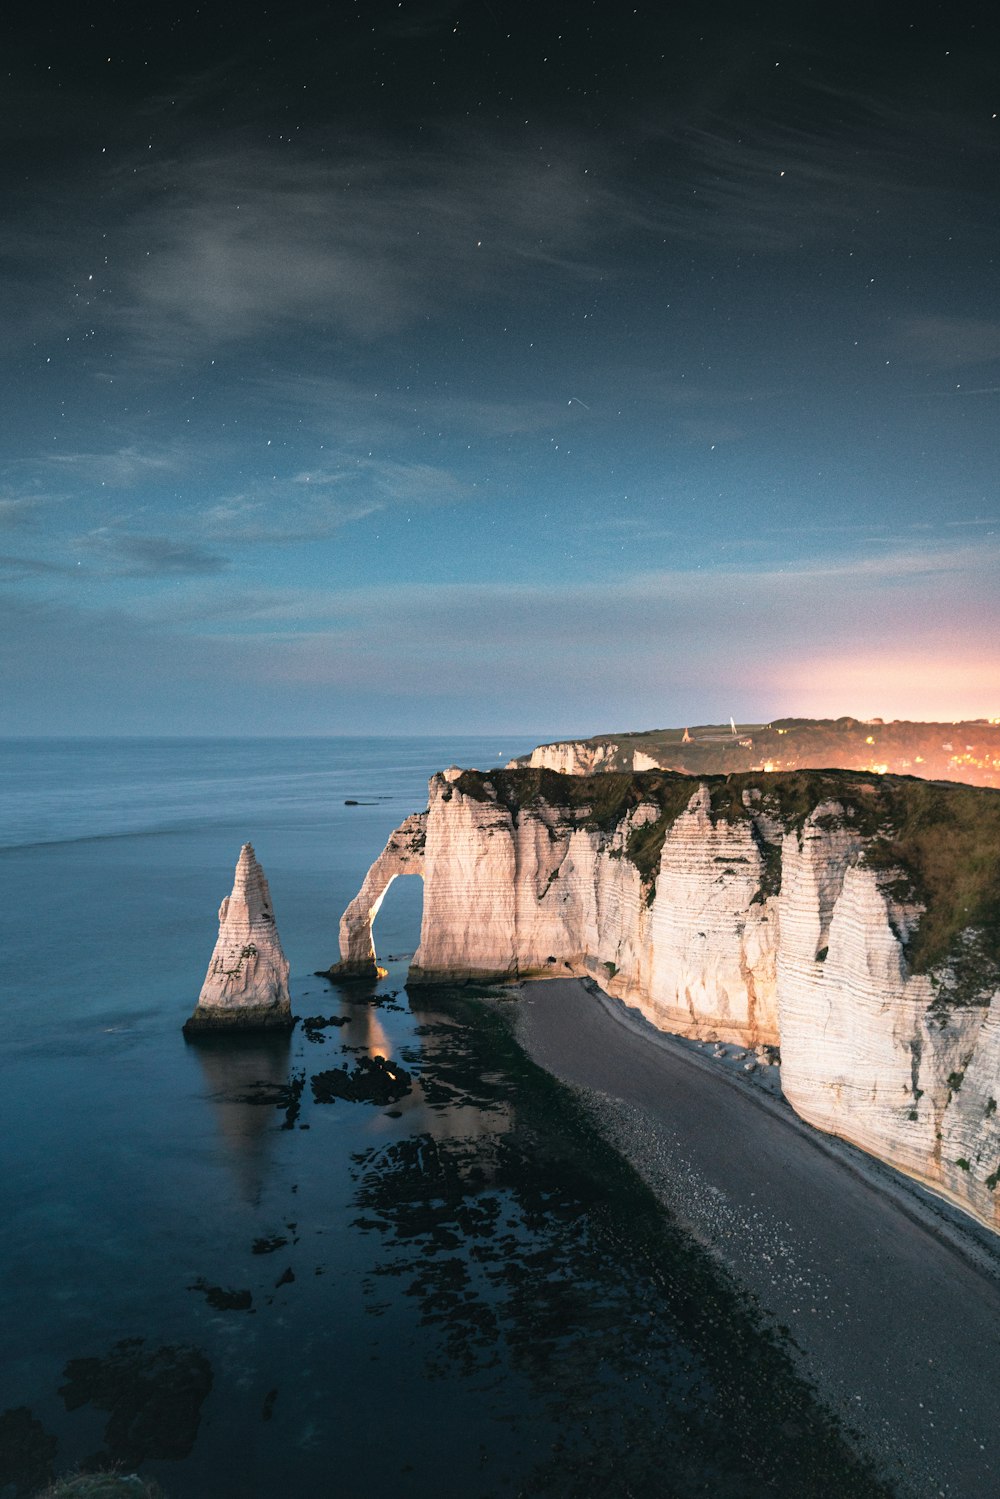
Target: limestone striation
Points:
(246, 987)
(854, 921)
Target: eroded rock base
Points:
(246, 1018)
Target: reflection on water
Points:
(247, 1077)
(468, 1267)
(536, 1256)
(364, 1030)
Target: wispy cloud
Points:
(122, 467)
(950, 342)
(14, 568)
(319, 502)
(360, 239)
(19, 513)
(693, 600)
(131, 556)
(913, 631)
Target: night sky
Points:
(420, 367)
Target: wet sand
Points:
(891, 1297)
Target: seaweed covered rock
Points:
(374, 1080)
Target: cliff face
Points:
(826, 913)
(246, 986)
(585, 757)
(572, 757)
(869, 1054)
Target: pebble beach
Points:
(889, 1297)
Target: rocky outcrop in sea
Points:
(246, 987)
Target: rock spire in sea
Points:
(246, 987)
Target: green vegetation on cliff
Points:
(933, 845)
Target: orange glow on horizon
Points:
(922, 689)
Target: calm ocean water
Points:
(250, 1293)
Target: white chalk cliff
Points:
(246, 987)
(581, 757)
(570, 757)
(731, 919)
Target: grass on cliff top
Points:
(940, 841)
(599, 802)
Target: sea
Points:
(218, 1273)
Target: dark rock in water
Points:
(268, 1406)
(374, 1080)
(362, 971)
(26, 1453)
(268, 1246)
(154, 1399)
(294, 1105)
(222, 1300)
(285, 1279)
(266, 1094)
(248, 1019)
(313, 1025)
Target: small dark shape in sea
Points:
(285, 1096)
(153, 1399)
(314, 1025)
(268, 1246)
(221, 1299)
(26, 1452)
(374, 1080)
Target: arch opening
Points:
(402, 855)
(399, 919)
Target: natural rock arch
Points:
(403, 854)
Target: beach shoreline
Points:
(730, 1063)
(889, 1296)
